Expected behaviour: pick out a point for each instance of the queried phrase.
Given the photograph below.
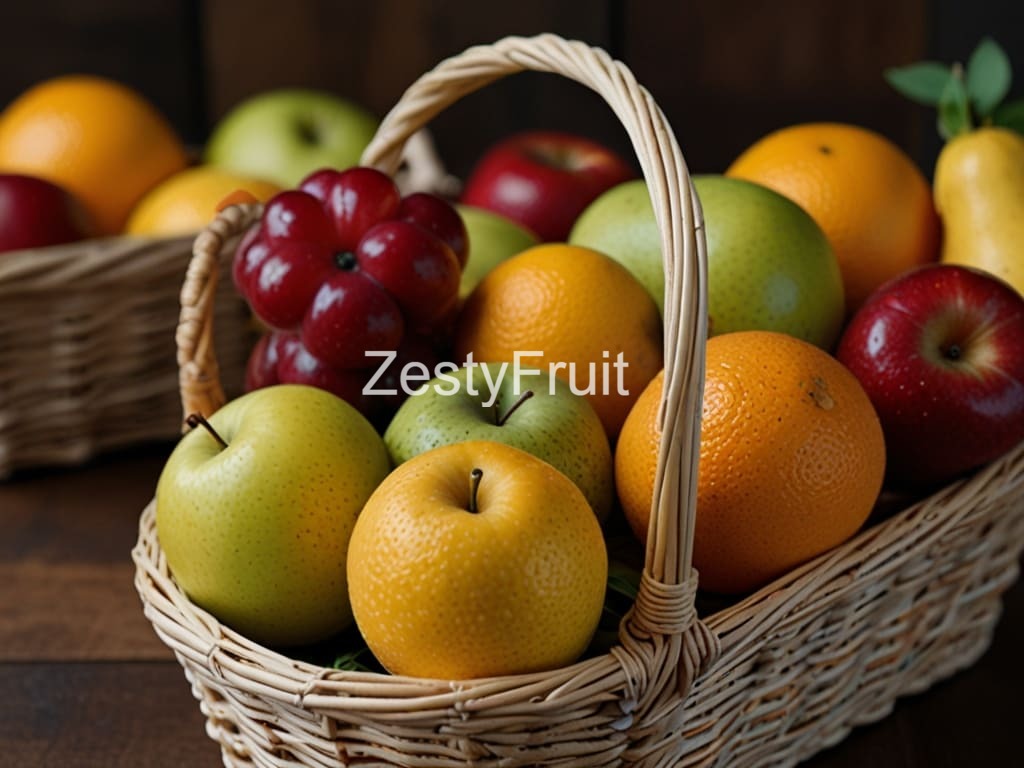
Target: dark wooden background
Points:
(725, 72)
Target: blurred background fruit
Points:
(570, 305)
(791, 460)
(102, 141)
(283, 135)
(868, 196)
(35, 213)
(188, 200)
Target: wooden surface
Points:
(85, 682)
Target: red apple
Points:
(940, 352)
(35, 213)
(543, 180)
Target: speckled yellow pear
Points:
(979, 194)
(477, 559)
(255, 513)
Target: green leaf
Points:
(954, 113)
(923, 82)
(350, 662)
(988, 77)
(1010, 115)
(623, 580)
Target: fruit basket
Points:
(768, 681)
(87, 359)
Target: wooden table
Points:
(85, 682)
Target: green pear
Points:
(620, 223)
(254, 513)
(770, 266)
(492, 239)
(483, 402)
(979, 194)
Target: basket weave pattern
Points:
(86, 358)
(766, 682)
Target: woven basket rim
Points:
(106, 259)
(785, 586)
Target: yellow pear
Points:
(979, 194)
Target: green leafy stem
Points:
(965, 97)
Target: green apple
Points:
(770, 267)
(492, 239)
(284, 135)
(256, 528)
(482, 402)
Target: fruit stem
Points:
(474, 486)
(197, 420)
(512, 409)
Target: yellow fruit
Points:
(98, 139)
(791, 459)
(441, 591)
(866, 194)
(979, 192)
(577, 309)
(188, 200)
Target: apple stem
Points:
(474, 486)
(198, 420)
(512, 409)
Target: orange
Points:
(573, 312)
(98, 139)
(447, 588)
(188, 200)
(866, 194)
(791, 458)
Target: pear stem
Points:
(198, 420)
(474, 486)
(512, 408)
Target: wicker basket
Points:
(87, 352)
(769, 681)
(87, 358)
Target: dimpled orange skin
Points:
(873, 203)
(98, 139)
(791, 460)
(575, 306)
(442, 592)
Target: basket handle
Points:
(665, 604)
(670, 537)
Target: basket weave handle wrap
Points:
(198, 373)
(669, 577)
